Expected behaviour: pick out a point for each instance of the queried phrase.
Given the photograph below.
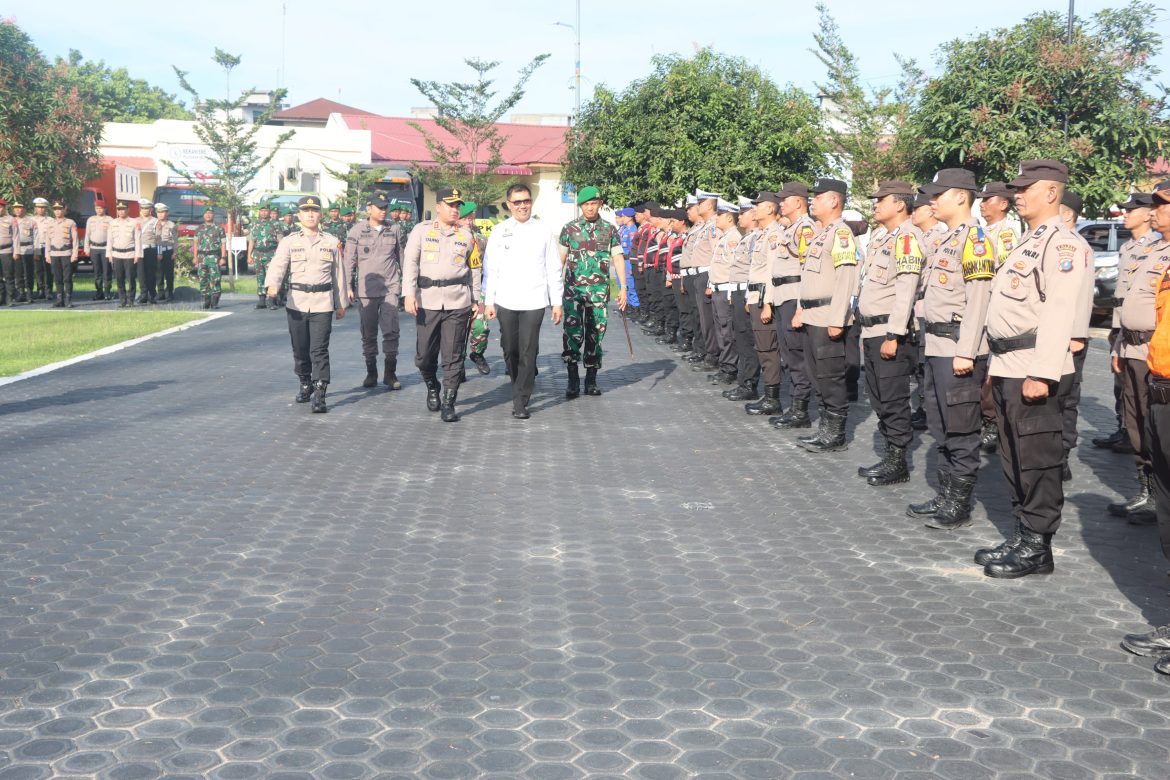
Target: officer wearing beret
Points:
(167, 235)
(477, 339)
(885, 312)
(956, 286)
(440, 290)
(125, 247)
(263, 237)
(372, 252)
(827, 281)
(7, 264)
(210, 250)
(318, 291)
(1030, 322)
(61, 252)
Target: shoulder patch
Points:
(907, 253)
(978, 257)
(844, 249)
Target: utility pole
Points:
(576, 28)
(1068, 40)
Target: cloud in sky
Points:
(364, 54)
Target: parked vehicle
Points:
(1106, 238)
(186, 204)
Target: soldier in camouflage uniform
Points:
(477, 341)
(335, 226)
(210, 255)
(263, 237)
(588, 246)
(288, 226)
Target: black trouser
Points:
(376, 314)
(1135, 399)
(147, 271)
(43, 272)
(442, 332)
(670, 313)
(1114, 334)
(102, 270)
(1031, 450)
(166, 272)
(685, 302)
(826, 363)
(654, 296)
(888, 383)
(852, 339)
(24, 273)
(1158, 433)
(953, 414)
(519, 339)
(792, 350)
(63, 274)
(8, 269)
(640, 287)
(767, 344)
(745, 342)
(1072, 401)
(724, 328)
(706, 316)
(123, 272)
(310, 343)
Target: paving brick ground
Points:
(198, 578)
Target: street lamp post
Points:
(576, 28)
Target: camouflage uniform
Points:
(477, 342)
(589, 245)
(339, 229)
(208, 242)
(265, 236)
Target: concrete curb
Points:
(7, 380)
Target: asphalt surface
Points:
(199, 578)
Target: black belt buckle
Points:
(1159, 391)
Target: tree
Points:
(465, 111)
(116, 96)
(709, 121)
(1007, 95)
(358, 182)
(49, 134)
(228, 62)
(862, 125)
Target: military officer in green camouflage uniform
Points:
(263, 236)
(210, 245)
(477, 342)
(335, 226)
(589, 245)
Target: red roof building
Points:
(315, 113)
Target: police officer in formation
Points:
(97, 229)
(61, 246)
(373, 257)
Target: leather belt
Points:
(702, 269)
(97, 246)
(815, 303)
(946, 330)
(1012, 343)
(1159, 390)
(1135, 338)
(779, 280)
(324, 287)
(757, 286)
(692, 271)
(426, 282)
(877, 319)
(123, 249)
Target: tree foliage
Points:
(708, 121)
(116, 96)
(467, 112)
(232, 145)
(1004, 96)
(49, 134)
(359, 181)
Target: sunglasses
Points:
(525, 202)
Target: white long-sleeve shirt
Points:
(522, 266)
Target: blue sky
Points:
(354, 51)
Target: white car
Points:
(1105, 237)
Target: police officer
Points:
(23, 253)
(589, 248)
(885, 312)
(1071, 207)
(263, 236)
(760, 299)
(43, 266)
(372, 252)
(97, 230)
(933, 233)
(719, 291)
(956, 284)
(1030, 322)
(700, 251)
(7, 262)
(799, 232)
(687, 313)
(148, 265)
(125, 247)
(747, 361)
(827, 281)
(318, 291)
(167, 237)
(209, 245)
(61, 252)
(440, 290)
(995, 201)
(1156, 643)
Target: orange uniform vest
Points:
(1159, 359)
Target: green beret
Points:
(467, 209)
(347, 210)
(290, 210)
(587, 194)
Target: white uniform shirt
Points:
(522, 266)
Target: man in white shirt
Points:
(522, 277)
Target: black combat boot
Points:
(319, 397)
(215, 300)
(1033, 555)
(448, 406)
(206, 301)
(1112, 440)
(306, 390)
(270, 302)
(68, 301)
(695, 358)
(744, 391)
(262, 301)
(390, 373)
(591, 387)
(669, 337)
(869, 471)
(918, 419)
(928, 508)
(432, 394)
(654, 329)
(796, 416)
(59, 301)
(986, 555)
(573, 389)
(954, 511)
(989, 439)
(894, 469)
(815, 436)
(371, 372)
(832, 437)
(481, 364)
(722, 377)
(684, 346)
(768, 404)
(1142, 502)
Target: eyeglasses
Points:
(525, 202)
